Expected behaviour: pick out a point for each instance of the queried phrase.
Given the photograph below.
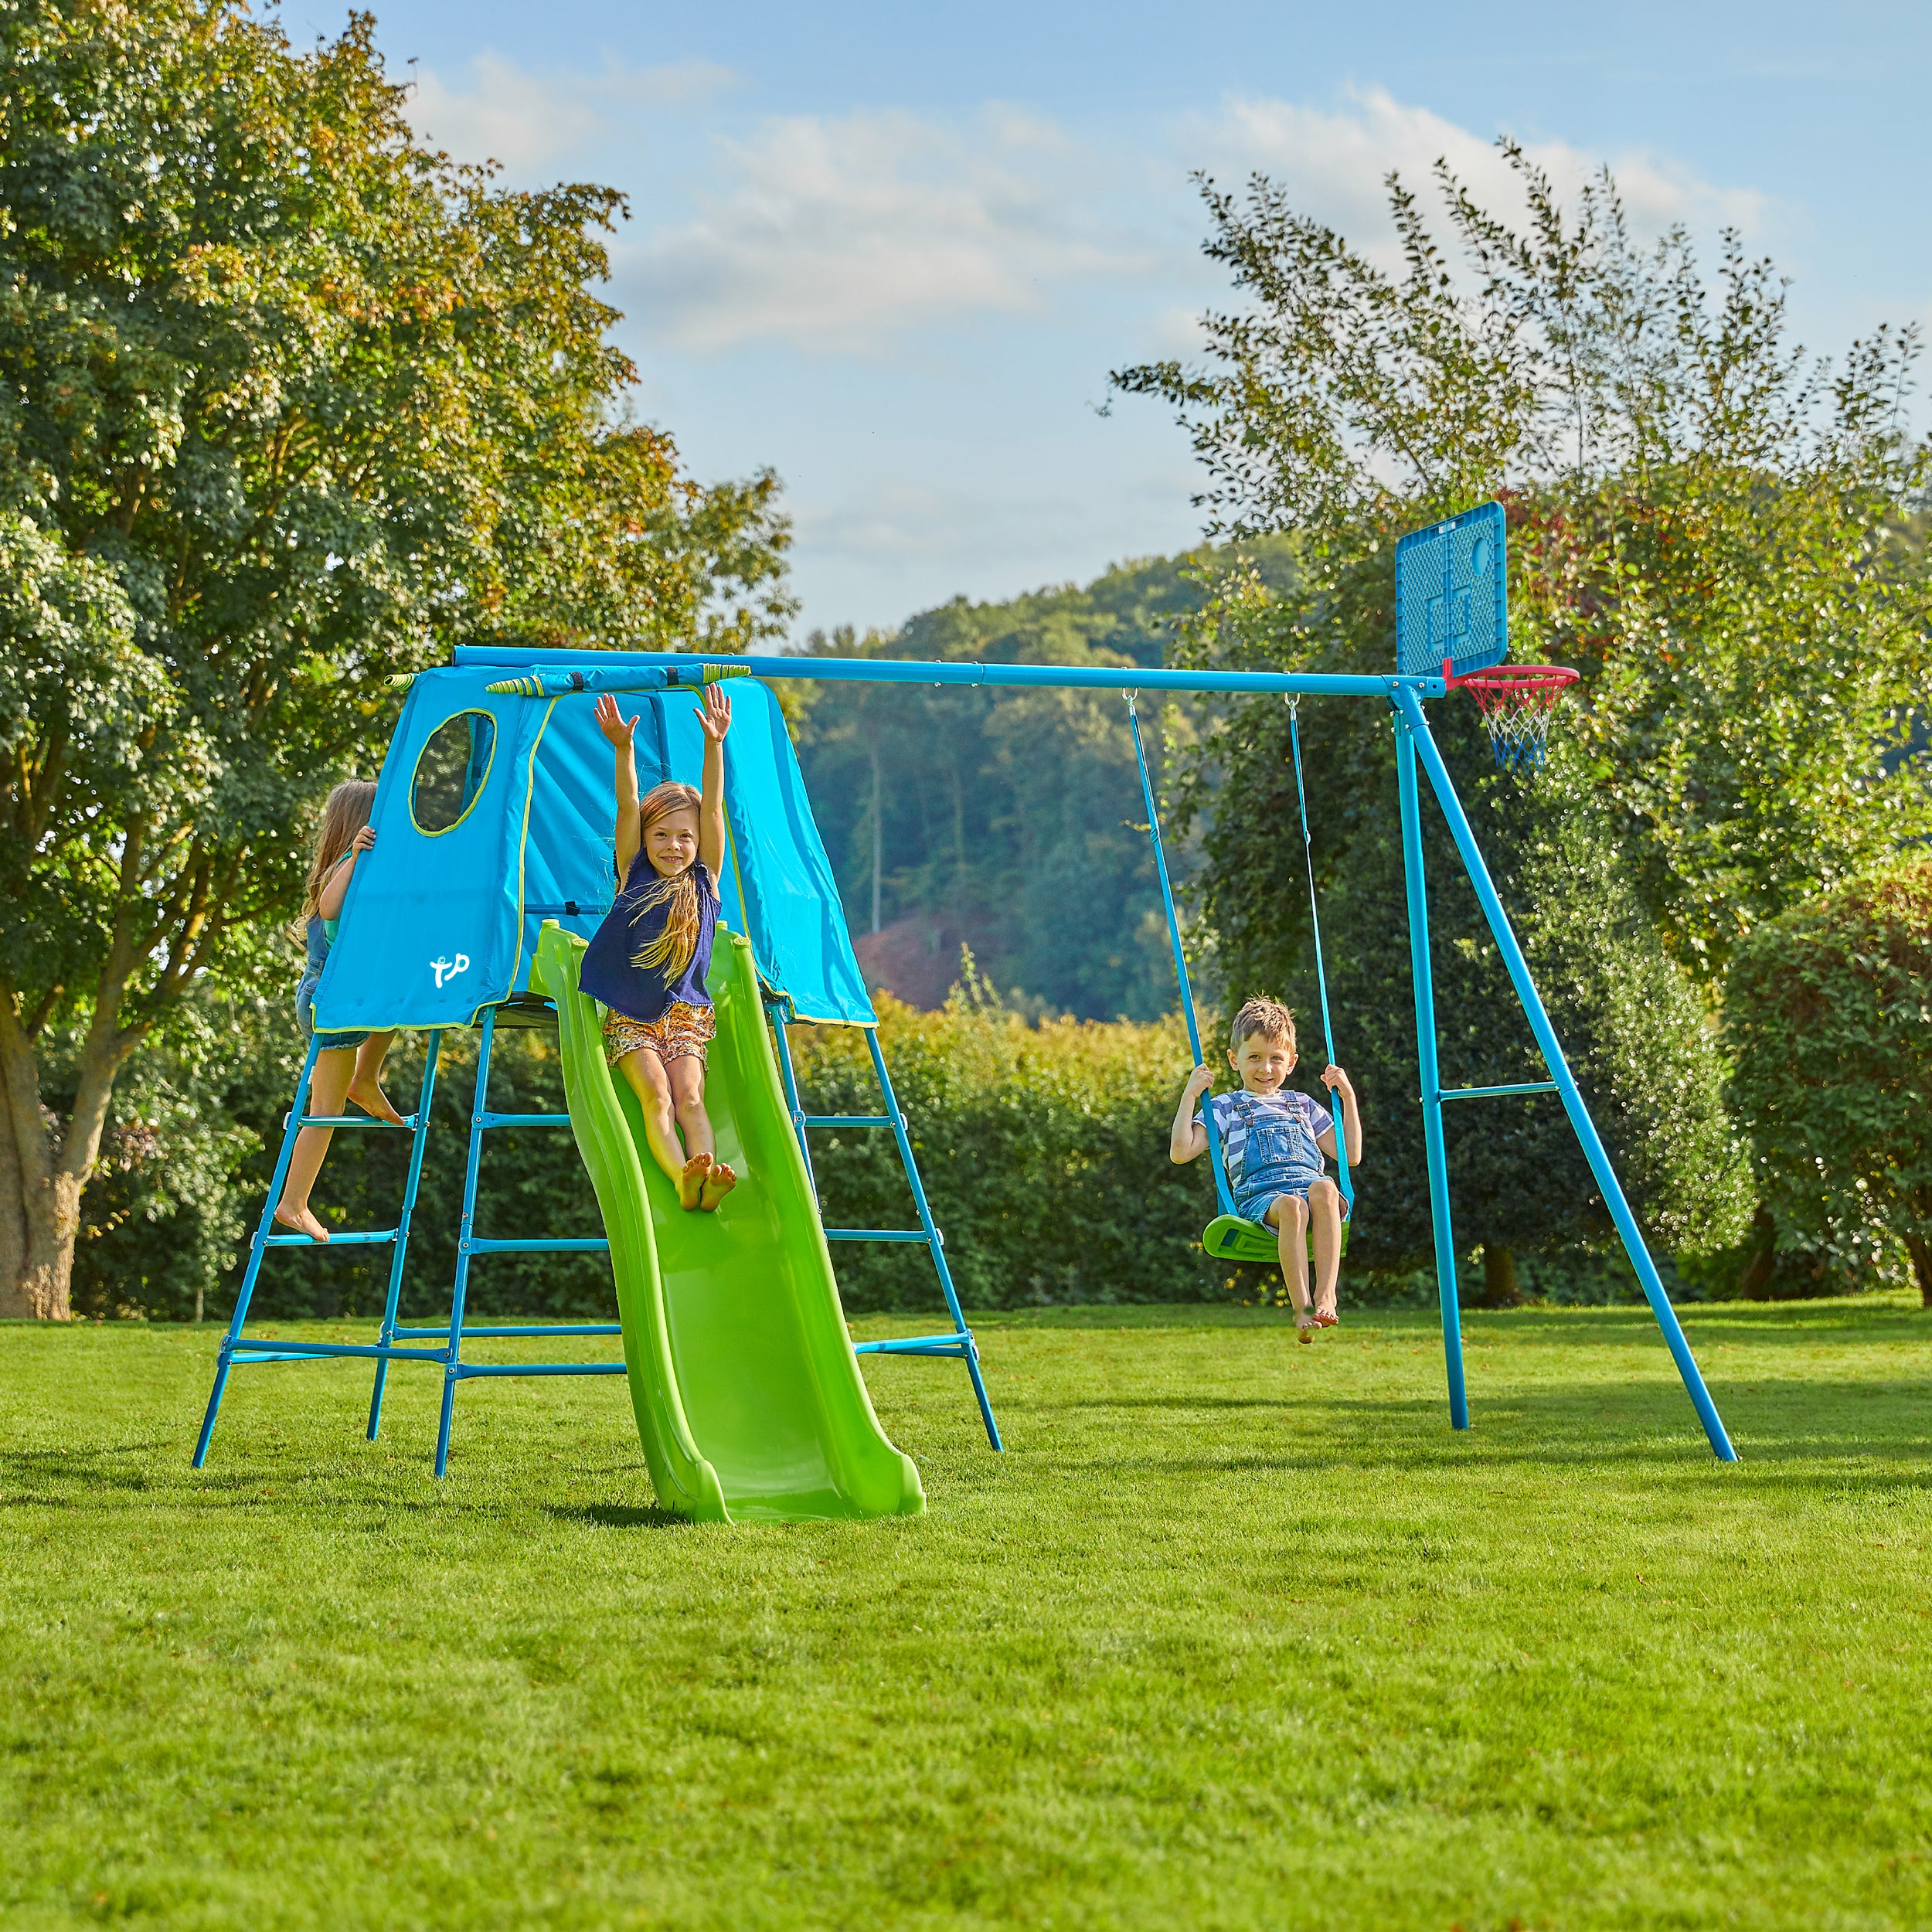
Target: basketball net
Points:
(1517, 701)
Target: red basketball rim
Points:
(1506, 680)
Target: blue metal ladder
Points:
(959, 1342)
(469, 1244)
(237, 1348)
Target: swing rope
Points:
(1221, 1190)
(1321, 970)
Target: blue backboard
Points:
(1451, 598)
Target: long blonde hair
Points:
(673, 949)
(345, 814)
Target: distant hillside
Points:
(1011, 821)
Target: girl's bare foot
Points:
(1305, 1322)
(371, 1098)
(301, 1220)
(691, 1182)
(717, 1184)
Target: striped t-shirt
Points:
(1236, 1114)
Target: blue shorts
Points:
(305, 1019)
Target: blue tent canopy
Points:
(494, 812)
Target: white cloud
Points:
(831, 234)
(526, 121)
(1334, 163)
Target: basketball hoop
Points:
(1517, 701)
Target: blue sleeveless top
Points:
(642, 992)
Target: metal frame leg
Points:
(789, 1077)
(431, 1053)
(1553, 1053)
(453, 1354)
(935, 1241)
(257, 1247)
(1424, 981)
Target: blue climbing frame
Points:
(1404, 694)
(443, 1343)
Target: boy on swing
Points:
(1272, 1142)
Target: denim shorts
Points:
(305, 1019)
(1259, 1191)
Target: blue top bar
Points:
(1023, 676)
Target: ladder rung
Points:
(852, 1120)
(353, 1120)
(242, 1348)
(953, 1344)
(877, 1234)
(522, 1120)
(584, 1245)
(334, 1241)
(467, 1371)
(471, 1330)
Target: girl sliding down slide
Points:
(648, 962)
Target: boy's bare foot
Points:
(371, 1098)
(301, 1220)
(692, 1180)
(717, 1184)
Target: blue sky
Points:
(894, 251)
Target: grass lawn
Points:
(1236, 1634)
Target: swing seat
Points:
(1229, 1238)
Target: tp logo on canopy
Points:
(448, 968)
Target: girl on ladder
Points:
(648, 961)
(348, 1066)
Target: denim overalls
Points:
(1279, 1156)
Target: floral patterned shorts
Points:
(679, 1032)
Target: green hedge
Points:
(1829, 1016)
(1043, 1150)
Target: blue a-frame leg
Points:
(1413, 743)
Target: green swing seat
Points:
(1229, 1238)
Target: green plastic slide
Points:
(748, 1396)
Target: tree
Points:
(1829, 1015)
(288, 404)
(1703, 522)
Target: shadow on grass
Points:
(604, 1515)
(1875, 1319)
(1789, 1424)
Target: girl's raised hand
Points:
(364, 841)
(715, 716)
(618, 730)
